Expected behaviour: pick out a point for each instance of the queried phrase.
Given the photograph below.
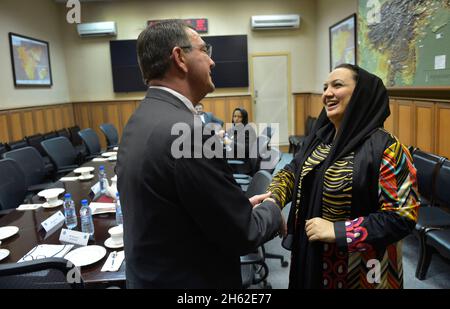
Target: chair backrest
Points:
(18, 144)
(91, 141)
(259, 183)
(3, 148)
(61, 151)
(427, 165)
(74, 137)
(31, 163)
(269, 164)
(268, 131)
(49, 273)
(12, 184)
(259, 151)
(63, 132)
(50, 135)
(35, 141)
(310, 121)
(111, 135)
(442, 192)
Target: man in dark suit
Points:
(186, 221)
(207, 117)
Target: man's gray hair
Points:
(155, 45)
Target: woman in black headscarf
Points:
(353, 190)
(242, 136)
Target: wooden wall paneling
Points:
(4, 130)
(424, 125)
(15, 126)
(389, 124)
(28, 123)
(126, 109)
(59, 120)
(84, 119)
(219, 109)
(68, 115)
(316, 105)
(246, 102)
(443, 130)
(406, 122)
(39, 121)
(49, 120)
(98, 116)
(300, 112)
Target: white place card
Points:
(74, 237)
(54, 222)
(29, 207)
(95, 189)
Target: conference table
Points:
(30, 234)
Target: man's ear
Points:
(179, 59)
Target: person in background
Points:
(353, 190)
(186, 221)
(207, 117)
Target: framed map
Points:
(343, 42)
(30, 60)
(405, 42)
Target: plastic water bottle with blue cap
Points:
(119, 216)
(70, 211)
(102, 180)
(87, 224)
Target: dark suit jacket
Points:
(186, 221)
(209, 117)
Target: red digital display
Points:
(198, 24)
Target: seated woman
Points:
(242, 136)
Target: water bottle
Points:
(119, 216)
(87, 225)
(70, 212)
(227, 141)
(103, 180)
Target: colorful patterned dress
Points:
(359, 265)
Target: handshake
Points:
(256, 200)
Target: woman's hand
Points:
(258, 199)
(318, 229)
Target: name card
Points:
(95, 191)
(74, 237)
(54, 222)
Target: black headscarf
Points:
(243, 113)
(365, 114)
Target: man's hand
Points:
(258, 199)
(318, 229)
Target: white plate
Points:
(3, 253)
(8, 231)
(86, 178)
(109, 154)
(57, 204)
(86, 169)
(49, 193)
(112, 158)
(110, 244)
(116, 148)
(86, 255)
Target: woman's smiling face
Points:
(337, 92)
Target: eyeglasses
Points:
(207, 49)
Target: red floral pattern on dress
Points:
(356, 234)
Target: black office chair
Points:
(35, 142)
(12, 184)
(435, 225)
(63, 132)
(296, 141)
(62, 154)
(91, 142)
(111, 135)
(17, 144)
(33, 167)
(254, 269)
(49, 273)
(3, 148)
(76, 140)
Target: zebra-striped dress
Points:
(359, 266)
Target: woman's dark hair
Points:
(351, 67)
(243, 113)
(155, 44)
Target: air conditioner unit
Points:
(267, 22)
(104, 28)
